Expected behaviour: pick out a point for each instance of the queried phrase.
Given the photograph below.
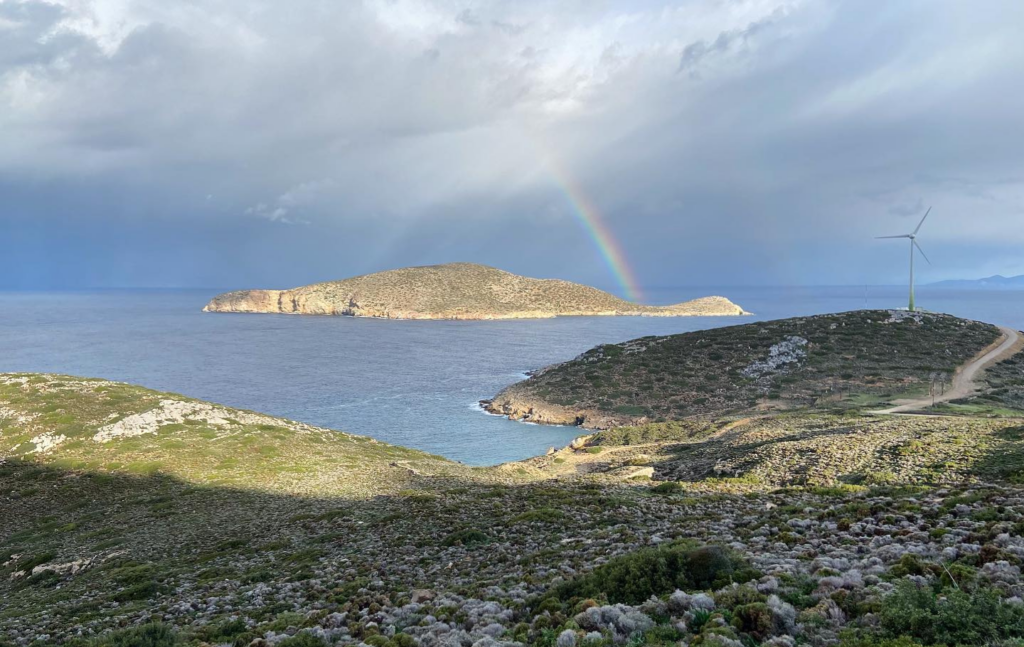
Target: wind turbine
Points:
(913, 243)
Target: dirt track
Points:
(963, 381)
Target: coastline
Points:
(514, 316)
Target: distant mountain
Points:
(997, 282)
(455, 291)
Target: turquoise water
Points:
(414, 383)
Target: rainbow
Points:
(586, 212)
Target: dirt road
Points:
(963, 381)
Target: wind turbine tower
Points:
(913, 243)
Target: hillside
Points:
(134, 518)
(455, 291)
(997, 282)
(111, 427)
(837, 449)
(859, 357)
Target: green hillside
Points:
(110, 427)
(862, 357)
(132, 518)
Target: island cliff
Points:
(455, 291)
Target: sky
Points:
(258, 143)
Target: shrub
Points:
(130, 574)
(30, 562)
(467, 537)
(874, 641)
(150, 635)
(668, 487)
(544, 515)
(964, 618)
(700, 618)
(754, 619)
(304, 639)
(43, 578)
(141, 591)
(224, 631)
(635, 577)
(909, 564)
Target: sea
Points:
(412, 383)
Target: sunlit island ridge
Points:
(456, 291)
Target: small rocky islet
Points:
(456, 291)
(779, 511)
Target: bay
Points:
(413, 383)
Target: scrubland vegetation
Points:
(135, 518)
(848, 360)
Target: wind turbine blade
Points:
(903, 236)
(922, 220)
(922, 251)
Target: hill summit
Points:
(455, 291)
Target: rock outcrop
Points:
(456, 291)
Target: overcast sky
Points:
(252, 143)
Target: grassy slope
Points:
(870, 356)
(116, 541)
(66, 421)
(807, 449)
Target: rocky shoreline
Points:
(541, 413)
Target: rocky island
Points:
(456, 291)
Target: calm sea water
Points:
(414, 383)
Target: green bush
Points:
(467, 537)
(634, 578)
(754, 619)
(909, 564)
(668, 487)
(544, 515)
(142, 591)
(150, 635)
(30, 562)
(710, 566)
(957, 618)
(224, 631)
(302, 640)
(875, 641)
(130, 574)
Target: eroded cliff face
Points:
(455, 291)
(527, 408)
(246, 301)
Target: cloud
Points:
(304, 197)
(420, 128)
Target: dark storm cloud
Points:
(240, 143)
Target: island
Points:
(456, 291)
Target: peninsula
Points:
(864, 357)
(456, 291)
